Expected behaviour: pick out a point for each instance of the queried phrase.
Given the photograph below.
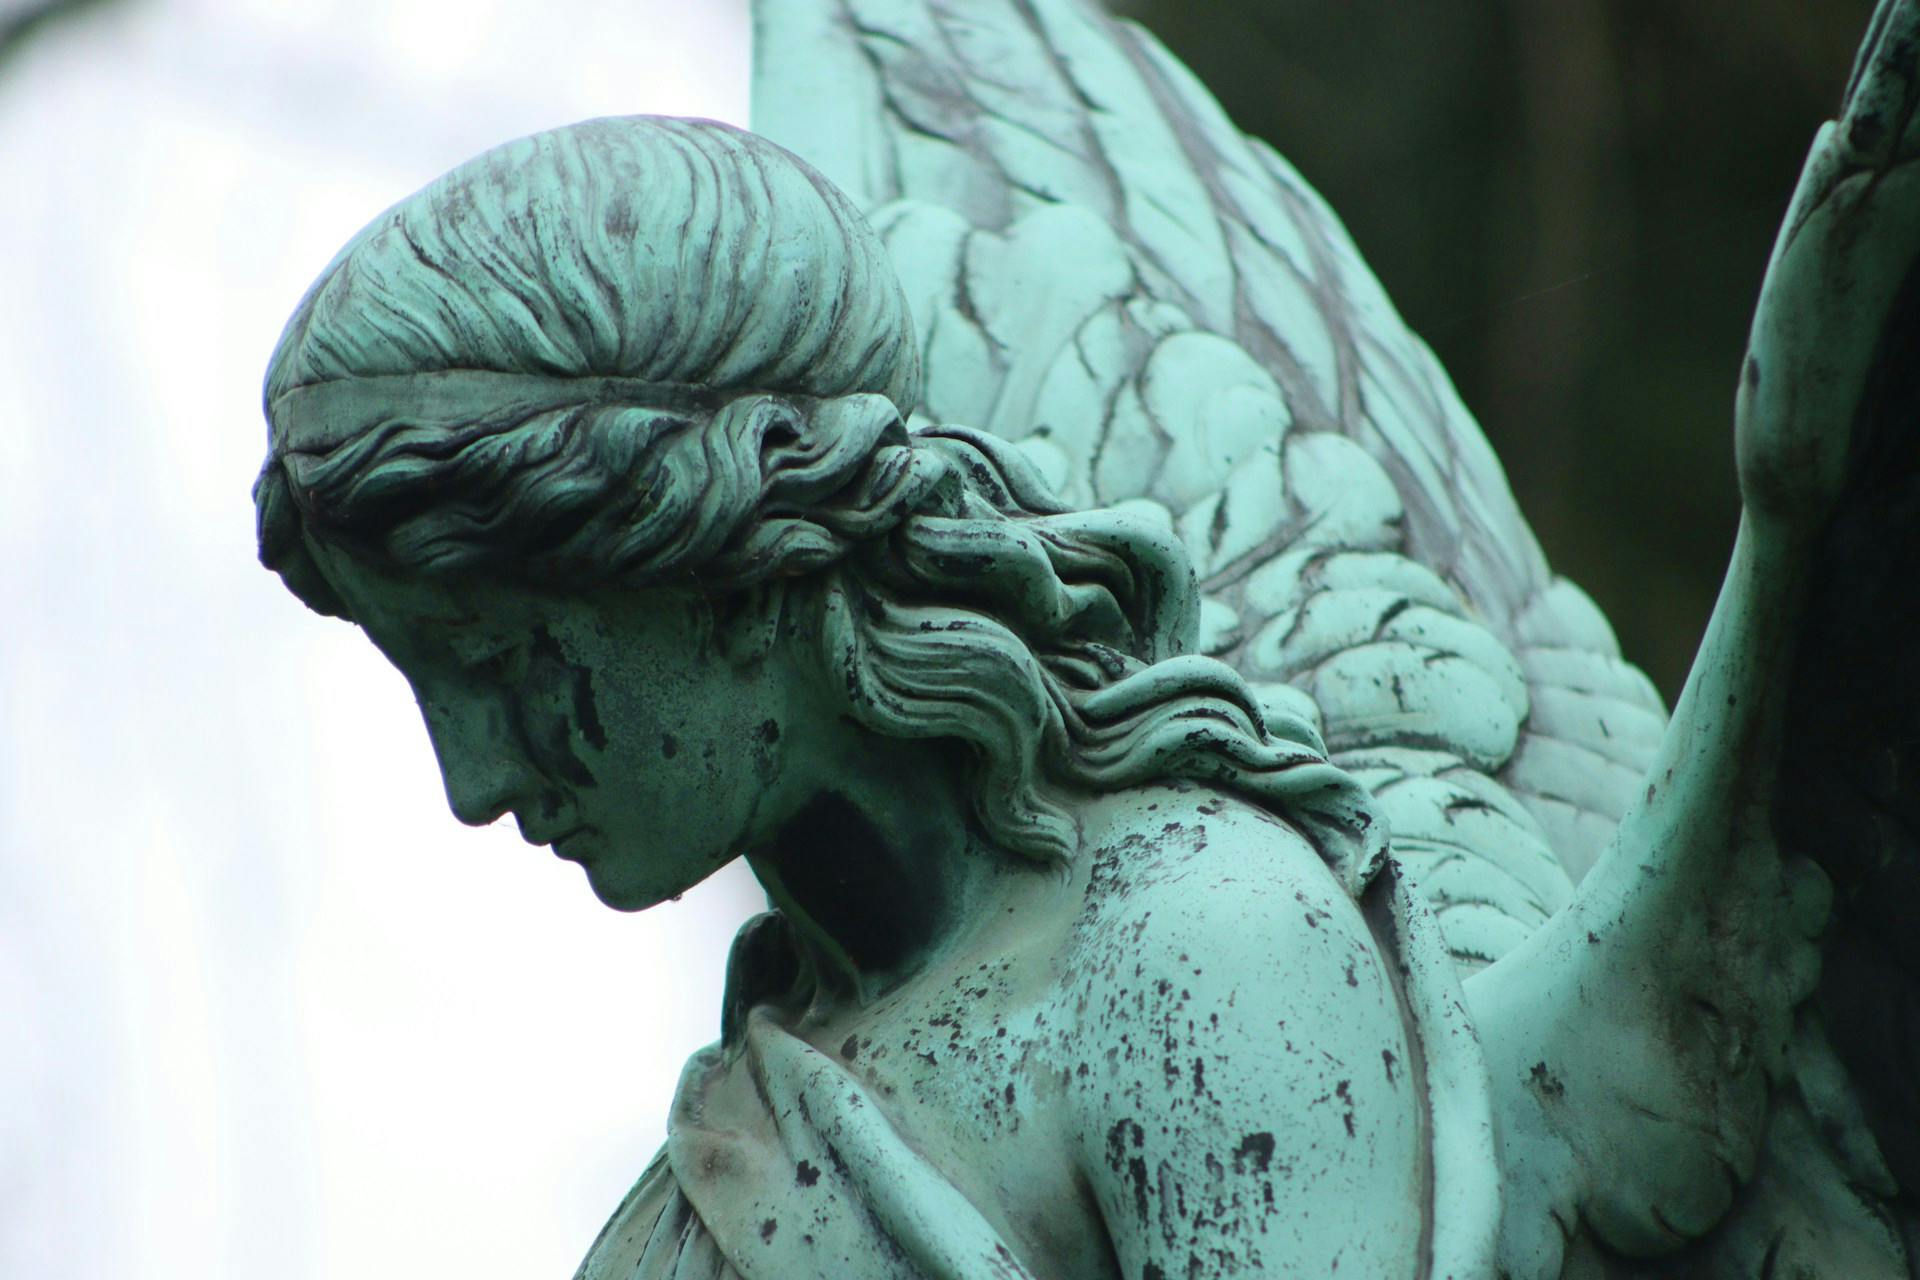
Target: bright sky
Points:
(265, 1009)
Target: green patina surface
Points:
(1201, 835)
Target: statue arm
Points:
(1636, 1039)
(1242, 1099)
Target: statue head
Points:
(602, 437)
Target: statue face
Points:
(614, 727)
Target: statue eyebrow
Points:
(443, 624)
(487, 635)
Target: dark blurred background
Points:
(1573, 202)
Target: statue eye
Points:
(498, 661)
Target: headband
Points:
(321, 416)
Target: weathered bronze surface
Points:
(1202, 836)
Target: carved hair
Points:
(641, 247)
(954, 595)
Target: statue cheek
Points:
(554, 713)
(766, 740)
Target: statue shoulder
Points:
(1241, 1090)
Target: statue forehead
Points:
(481, 602)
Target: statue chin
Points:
(628, 882)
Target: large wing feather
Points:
(1102, 267)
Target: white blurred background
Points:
(265, 1009)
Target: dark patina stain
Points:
(1254, 1153)
(1544, 1082)
(1137, 1176)
(834, 862)
(546, 731)
(1118, 1138)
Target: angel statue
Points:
(1202, 837)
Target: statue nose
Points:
(482, 791)
(484, 776)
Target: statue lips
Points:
(577, 854)
(556, 840)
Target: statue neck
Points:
(880, 879)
